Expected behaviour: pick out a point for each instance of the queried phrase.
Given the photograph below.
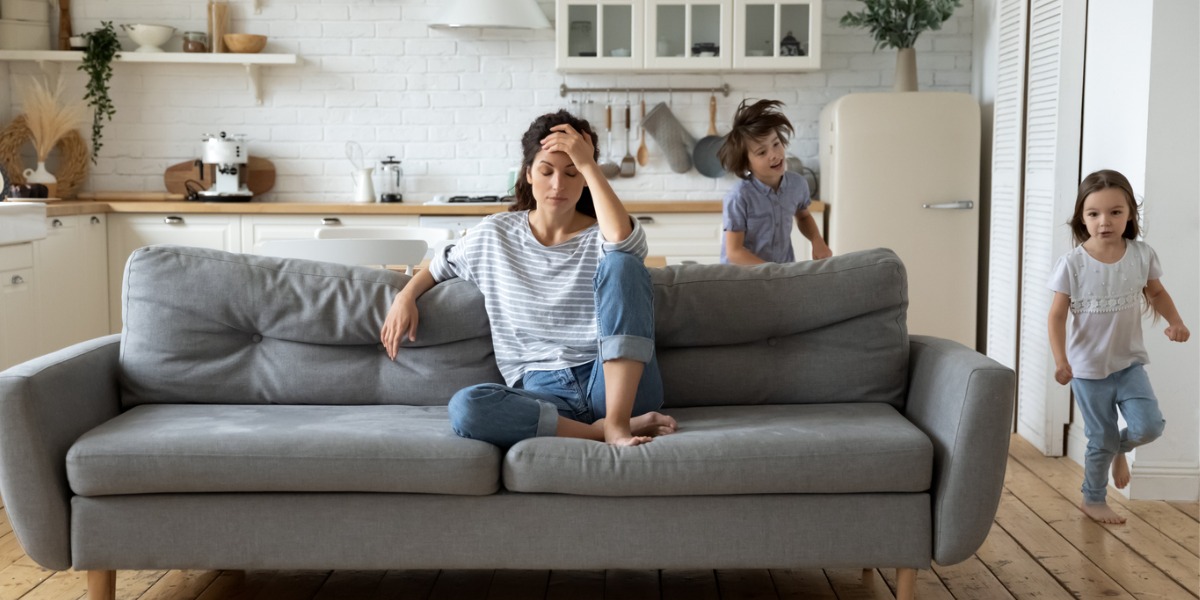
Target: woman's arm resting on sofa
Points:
(963, 401)
(45, 405)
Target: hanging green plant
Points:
(102, 48)
(897, 23)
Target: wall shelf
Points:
(50, 59)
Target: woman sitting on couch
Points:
(569, 301)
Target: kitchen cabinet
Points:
(71, 268)
(129, 231)
(688, 35)
(18, 305)
(599, 35)
(261, 228)
(684, 238)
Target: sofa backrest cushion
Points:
(822, 331)
(207, 326)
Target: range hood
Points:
(504, 14)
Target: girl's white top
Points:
(1105, 333)
(539, 299)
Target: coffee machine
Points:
(230, 160)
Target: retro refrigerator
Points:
(901, 171)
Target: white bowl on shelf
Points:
(148, 37)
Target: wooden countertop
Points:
(88, 207)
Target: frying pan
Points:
(705, 155)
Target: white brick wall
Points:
(451, 103)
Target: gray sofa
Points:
(247, 418)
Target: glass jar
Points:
(195, 41)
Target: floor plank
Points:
(748, 584)
(462, 583)
(1172, 523)
(63, 585)
(1065, 476)
(21, 577)
(511, 584)
(180, 584)
(1095, 541)
(1191, 509)
(802, 584)
(575, 585)
(349, 584)
(406, 585)
(1020, 573)
(849, 584)
(1070, 567)
(291, 585)
(680, 584)
(929, 585)
(620, 584)
(971, 579)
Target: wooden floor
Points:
(1040, 546)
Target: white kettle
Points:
(364, 188)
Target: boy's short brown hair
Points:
(750, 123)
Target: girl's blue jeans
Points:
(1099, 399)
(505, 415)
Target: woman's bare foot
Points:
(631, 440)
(1101, 513)
(1120, 471)
(652, 424)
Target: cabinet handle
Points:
(331, 221)
(173, 220)
(17, 280)
(56, 223)
(959, 205)
(95, 220)
(647, 219)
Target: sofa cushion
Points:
(212, 327)
(781, 449)
(223, 448)
(814, 332)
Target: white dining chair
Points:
(436, 237)
(364, 251)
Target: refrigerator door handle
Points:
(959, 205)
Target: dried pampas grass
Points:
(47, 116)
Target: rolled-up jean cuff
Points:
(547, 419)
(633, 347)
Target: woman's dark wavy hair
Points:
(750, 123)
(531, 144)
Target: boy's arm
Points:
(1158, 297)
(736, 252)
(1059, 307)
(808, 228)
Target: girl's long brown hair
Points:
(1102, 180)
(531, 144)
(750, 123)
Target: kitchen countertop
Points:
(88, 207)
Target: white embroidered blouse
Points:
(1105, 327)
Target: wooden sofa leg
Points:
(102, 585)
(906, 583)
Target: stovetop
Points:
(480, 199)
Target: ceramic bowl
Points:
(149, 37)
(244, 43)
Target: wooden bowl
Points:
(244, 43)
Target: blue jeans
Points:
(1129, 390)
(505, 415)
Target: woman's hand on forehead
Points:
(564, 138)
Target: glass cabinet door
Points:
(599, 35)
(777, 34)
(688, 34)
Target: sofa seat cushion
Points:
(771, 449)
(169, 448)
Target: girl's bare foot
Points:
(652, 424)
(1120, 471)
(1101, 513)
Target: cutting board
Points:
(260, 179)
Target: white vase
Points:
(44, 177)
(906, 70)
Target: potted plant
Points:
(102, 48)
(896, 24)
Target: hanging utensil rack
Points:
(564, 89)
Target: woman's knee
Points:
(469, 406)
(622, 266)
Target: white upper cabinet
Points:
(777, 35)
(599, 35)
(688, 35)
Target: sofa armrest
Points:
(963, 401)
(45, 405)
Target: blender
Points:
(389, 180)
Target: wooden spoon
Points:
(643, 154)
